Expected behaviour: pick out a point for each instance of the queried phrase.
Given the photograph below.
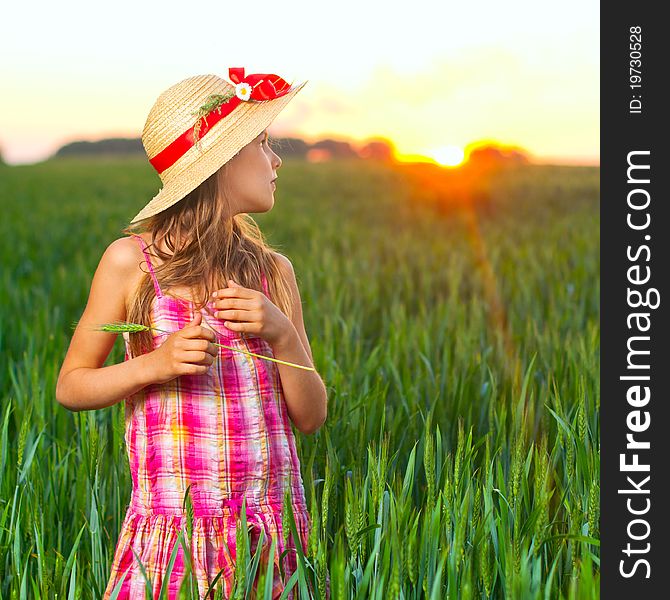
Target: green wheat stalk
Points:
(123, 327)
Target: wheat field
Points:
(455, 325)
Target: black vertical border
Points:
(622, 132)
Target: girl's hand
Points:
(188, 351)
(250, 311)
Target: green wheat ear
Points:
(123, 327)
(119, 327)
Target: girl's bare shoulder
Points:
(284, 264)
(124, 256)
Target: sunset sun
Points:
(449, 156)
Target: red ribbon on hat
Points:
(264, 86)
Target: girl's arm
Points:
(304, 391)
(83, 382)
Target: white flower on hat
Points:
(243, 90)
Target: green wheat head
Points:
(124, 327)
(119, 327)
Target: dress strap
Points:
(157, 288)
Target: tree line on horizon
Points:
(380, 149)
(288, 146)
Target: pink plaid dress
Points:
(225, 433)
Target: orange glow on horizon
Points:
(444, 156)
(411, 158)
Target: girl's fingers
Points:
(241, 303)
(196, 345)
(236, 314)
(253, 327)
(233, 292)
(199, 332)
(197, 357)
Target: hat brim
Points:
(246, 122)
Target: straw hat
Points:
(200, 123)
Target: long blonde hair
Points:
(208, 247)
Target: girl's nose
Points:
(277, 160)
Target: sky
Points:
(424, 74)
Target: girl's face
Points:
(250, 174)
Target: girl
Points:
(203, 420)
